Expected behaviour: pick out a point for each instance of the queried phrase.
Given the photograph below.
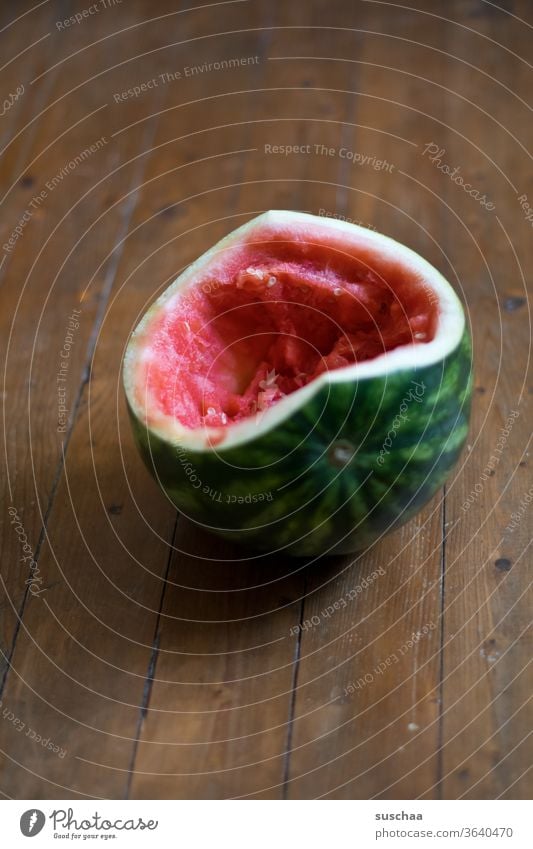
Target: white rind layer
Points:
(448, 334)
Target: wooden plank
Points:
(57, 288)
(487, 647)
(75, 228)
(367, 702)
(108, 608)
(90, 211)
(102, 237)
(221, 729)
(25, 43)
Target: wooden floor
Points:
(141, 657)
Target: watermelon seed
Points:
(340, 453)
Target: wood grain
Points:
(159, 661)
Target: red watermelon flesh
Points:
(268, 319)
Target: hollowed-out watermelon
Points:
(304, 385)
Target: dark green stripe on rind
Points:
(285, 489)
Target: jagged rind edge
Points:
(309, 504)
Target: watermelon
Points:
(303, 386)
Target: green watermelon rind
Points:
(284, 489)
(336, 464)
